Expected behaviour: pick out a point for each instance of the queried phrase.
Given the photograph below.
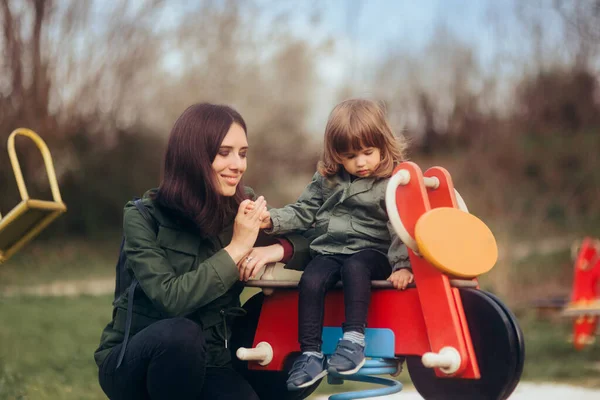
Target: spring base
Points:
(371, 367)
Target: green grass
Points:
(44, 262)
(537, 268)
(48, 343)
(550, 356)
(533, 278)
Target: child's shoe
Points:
(347, 359)
(307, 369)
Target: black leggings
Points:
(166, 360)
(356, 272)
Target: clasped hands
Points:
(258, 257)
(253, 261)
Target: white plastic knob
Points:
(431, 182)
(447, 360)
(263, 353)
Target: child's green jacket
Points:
(343, 216)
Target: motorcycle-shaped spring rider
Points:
(459, 342)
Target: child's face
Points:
(361, 163)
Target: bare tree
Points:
(103, 85)
(582, 29)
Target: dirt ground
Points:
(525, 391)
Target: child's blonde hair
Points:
(355, 124)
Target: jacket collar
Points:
(356, 186)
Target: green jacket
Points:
(181, 274)
(343, 216)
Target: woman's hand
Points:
(245, 228)
(257, 258)
(401, 278)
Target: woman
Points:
(190, 270)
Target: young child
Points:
(343, 209)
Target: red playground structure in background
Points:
(584, 306)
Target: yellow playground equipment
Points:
(28, 218)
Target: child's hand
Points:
(265, 216)
(401, 278)
(265, 219)
(249, 207)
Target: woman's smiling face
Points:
(230, 162)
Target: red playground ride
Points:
(584, 306)
(458, 341)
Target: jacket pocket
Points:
(371, 232)
(181, 242)
(321, 226)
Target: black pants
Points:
(167, 361)
(356, 272)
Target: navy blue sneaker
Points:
(347, 359)
(307, 369)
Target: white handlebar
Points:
(460, 202)
(401, 177)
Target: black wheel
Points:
(498, 351)
(520, 343)
(269, 385)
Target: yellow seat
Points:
(29, 217)
(456, 242)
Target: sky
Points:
(367, 31)
(370, 29)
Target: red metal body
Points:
(399, 311)
(423, 319)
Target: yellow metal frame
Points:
(52, 209)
